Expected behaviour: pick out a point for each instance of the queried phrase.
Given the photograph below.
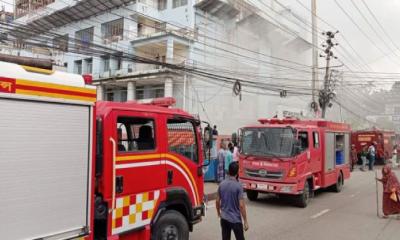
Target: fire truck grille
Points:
(262, 173)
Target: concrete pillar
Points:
(168, 87)
(170, 50)
(131, 91)
(100, 92)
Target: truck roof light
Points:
(162, 102)
(287, 120)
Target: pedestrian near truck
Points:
(391, 192)
(353, 157)
(221, 162)
(364, 155)
(228, 158)
(371, 156)
(230, 206)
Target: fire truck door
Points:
(139, 165)
(183, 157)
(315, 150)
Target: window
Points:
(110, 96)
(135, 134)
(140, 92)
(119, 63)
(84, 38)
(316, 140)
(78, 67)
(112, 31)
(182, 138)
(149, 91)
(162, 5)
(106, 63)
(61, 43)
(89, 65)
(179, 3)
(303, 138)
(140, 29)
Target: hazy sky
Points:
(387, 12)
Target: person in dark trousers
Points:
(372, 156)
(230, 205)
(354, 157)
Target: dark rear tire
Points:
(339, 184)
(303, 199)
(252, 195)
(172, 225)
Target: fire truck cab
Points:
(293, 157)
(74, 168)
(149, 171)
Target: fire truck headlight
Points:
(286, 189)
(292, 172)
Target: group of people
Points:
(227, 154)
(368, 155)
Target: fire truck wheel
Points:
(339, 184)
(172, 225)
(304, 198)
(252, 195)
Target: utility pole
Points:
(314, 84)
(326, 94)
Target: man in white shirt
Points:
(371, 156)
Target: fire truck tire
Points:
(339, 184)
(171, 225)
(303, 199)
(252, 195)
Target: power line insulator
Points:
(237, 89)
(283, 93)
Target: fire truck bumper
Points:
(198, 212)
(270, 187)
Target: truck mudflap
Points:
(271, 187)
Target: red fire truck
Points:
(294, 157)
(385, 140)
(74, 168)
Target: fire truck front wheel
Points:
(303, 199)
(252, 195)
(339, 183)
(172, 225)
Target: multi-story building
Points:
(231, 38)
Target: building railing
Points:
(24, 7)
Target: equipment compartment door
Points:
(329, 152)
(44, 169)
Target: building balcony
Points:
(224, 9)
(57, 13)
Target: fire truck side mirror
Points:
(208, 137)
(234, 139)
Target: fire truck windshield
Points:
(271, 142)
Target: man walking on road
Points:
(372, 155)
(230, 205)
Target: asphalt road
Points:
(350, 214)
